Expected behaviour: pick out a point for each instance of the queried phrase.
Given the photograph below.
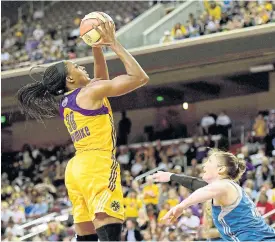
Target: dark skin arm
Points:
(100, 65)
(120, 85)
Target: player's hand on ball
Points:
(173, 214)
(161, 176)
(107, 33)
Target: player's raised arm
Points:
(192, 183)
(135, 77)
(100, 65)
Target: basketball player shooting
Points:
(92, 177)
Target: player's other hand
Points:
(107, 33)
(161, 176)
(173, 214)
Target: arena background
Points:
(221, 58)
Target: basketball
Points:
(87, 32)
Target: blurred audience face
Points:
(166, 206)
(172, 194)
(149, 180)
(188, 213)
(130, 224)
(177, 26)
(132, 194)
(263, 198)
(213, 4)
(249, 184)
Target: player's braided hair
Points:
(37, 100)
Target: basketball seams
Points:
(90, 35)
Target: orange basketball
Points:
(87, 32)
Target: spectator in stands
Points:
(55, 231)
(263, 172)
(124, 129)
(38, 33)
(38, 14)
(189, 223)
(75, 31)
(163, 195)
(179, 32)
(193, 29)
(206, 123)
(132, 205)
(212, 26)
(167, 38)
(143, 219)
(260, 128)
(201, 152)
(268, 5)
(150, 192)
(132, 233)
(264, 206)
(223, 21)
(164, 165)
(11, 237)
(164, 209)
(250, 184)
(227, 5)
(202, 22)
(124, 158)
(214, 10)
(137, 166)
(271, 123)
(247, 21)
(223, 123)
(173, 198)
(40, 208)
(18, 215)
(249, 166)
(6, 213)
(234, 23)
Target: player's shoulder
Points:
(93, 88)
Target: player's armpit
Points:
(116, 87)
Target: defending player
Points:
(234, 214)
(93, 175)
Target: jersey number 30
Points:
(70, 122)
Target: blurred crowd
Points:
(33, 185)
(220, 16)
(34, 40)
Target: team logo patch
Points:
(64, 102)
(115, 206)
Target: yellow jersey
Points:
(155, 192)
(173, 202)
(161, 214)
(89, 129)
(132, 205)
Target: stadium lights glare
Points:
(262, 68)
(185, 105)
